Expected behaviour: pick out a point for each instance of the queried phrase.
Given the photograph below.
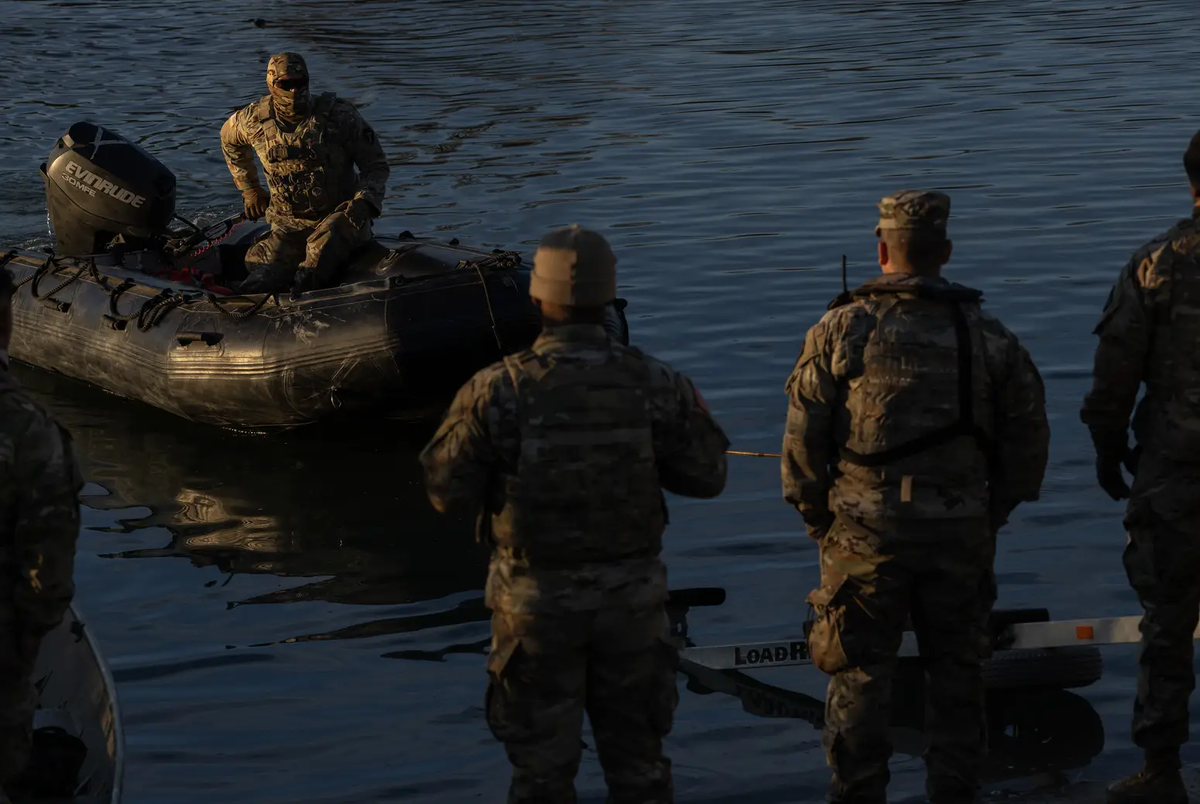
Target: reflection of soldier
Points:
(1149, 332)
(318, 210)
(567, 447)
(40, 506)
(916, 424)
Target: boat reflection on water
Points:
(344, 505)
(1030, 732)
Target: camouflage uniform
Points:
(1149, 332)
(916, 423)
(567, 447)
(39, 498)
(320, 212)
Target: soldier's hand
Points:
(1108, 473)
(256, 200)
(359, 212)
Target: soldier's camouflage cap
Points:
(286, 65)
(913, 210)
(574, 266)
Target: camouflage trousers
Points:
(1162, 560)
(545, 671)
(306, 257)
(875, 576)
(17, 702)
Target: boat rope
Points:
(487, 296)
(239, 314)
(148, 315)
(497, 259)
(753, 454)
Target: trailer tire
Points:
(1044, 668)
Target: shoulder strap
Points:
(266, 118)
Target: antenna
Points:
(845, 287)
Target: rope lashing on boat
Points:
(487, 296)
(150, 314)
(497, 259)
(239, 314)
(48, 298)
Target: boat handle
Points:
(209, 338)
(56, 305)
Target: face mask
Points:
(290, 96)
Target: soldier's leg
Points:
(535, 701)
(952, 596)
(328, 249)
(860, 611)
(631, 700)
(17, 702)
(271, 263)
(1163, 564)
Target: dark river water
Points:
(287, 618)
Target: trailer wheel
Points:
(1045, 668)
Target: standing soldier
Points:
(916, 423)
(565, 448)
(40, 508)
(1149, 333)
(318, 209)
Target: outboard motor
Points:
(100, 185)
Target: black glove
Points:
(818, 524)
(1108, 474)
(358, 211)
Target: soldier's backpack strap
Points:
(956, 297)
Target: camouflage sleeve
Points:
(689, 445)
(808, 442)
(239, 154)
(367, 153)
(1021, 433)
(47, 479)
(463, 455)
(1124, 329)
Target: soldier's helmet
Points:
(287, 68)
(914, 210)
(576, 267)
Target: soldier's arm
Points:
(808, 447)
(1124, 329)
(367, 153)
(1022, 434)
(461, 458)
(239, 154)
(689, 444)
(46, 525)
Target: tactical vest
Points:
(307, 170)
(919, 396)
(1168, 420)
(585, 488)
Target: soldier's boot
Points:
(1158, 782)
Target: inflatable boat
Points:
(144, 309)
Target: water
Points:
(732, 153)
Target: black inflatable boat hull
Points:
(412, 321)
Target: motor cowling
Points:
(100, 185)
